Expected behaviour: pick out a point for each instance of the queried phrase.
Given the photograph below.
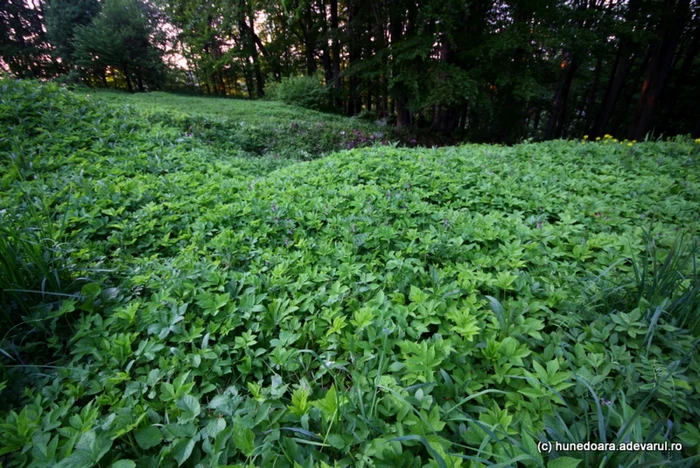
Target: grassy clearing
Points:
(253, 112)
(257, 127)
(375, 307)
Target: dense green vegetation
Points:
(262, 127)
(171, 297)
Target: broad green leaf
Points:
(148, 437)
(190, 407)
(182, 450)
(243, 438)
(124, 464)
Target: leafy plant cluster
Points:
(376, 307)
(304, 91)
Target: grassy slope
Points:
(236, 109)
(346, 298)
(259, 127)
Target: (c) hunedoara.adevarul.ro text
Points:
(548, 447)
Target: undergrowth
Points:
(258, 127)
(375, 307)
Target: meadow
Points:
(207, 282)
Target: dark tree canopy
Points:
(63, 17)
(24, 51)
(119, 39)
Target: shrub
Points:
(304, 91)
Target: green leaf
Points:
(508, 346)
(222, 404)
(329, 404)
(148, 437)
(182, 450)
(541, 372)
(124, 464)
(499, 311)
(78, 459)
(336, 441)
(563, 462)
(89, 450)
(417, 296)
(533, 392)
(190, 407)
(530, 446)
(243, 438)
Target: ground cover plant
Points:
(170, 303)
(260, 127)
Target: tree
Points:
(662, 56)
(486, 70)
(119, 38)
(24, 51)
(62, 19)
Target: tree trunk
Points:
(352, 107)
(682, 79)
(589, 101)
(445, 118)
(326, 60)
(309, 42)
(259, 80)
(129, 87)
(396, 33)
(623, 62)
(370, 95)
(556, 118)
(336, 49)
(327, 66)
(139, 80)
(628, 93)
(380, 41)
(249, 80)
(658, 71)
(624, 59)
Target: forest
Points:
(479, 70)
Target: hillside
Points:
(256, 127)
(174, 295)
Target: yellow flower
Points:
(634, 141)
(630, 144)
(597, 138)
(585, 137)
(607, 137)
(697, 140)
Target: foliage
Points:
(23, 46)
(34, 269)
(62, 19)
(119, 37)
(483, 71)
(304, 91)
(258, 128)
(665, 281)
(380, 306)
